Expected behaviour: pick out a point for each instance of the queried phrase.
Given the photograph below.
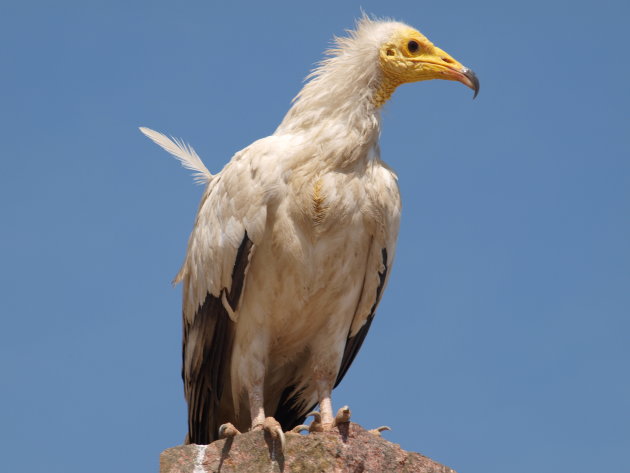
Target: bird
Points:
(294, 240)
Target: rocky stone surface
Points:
(350, 449)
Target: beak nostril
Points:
(447, 60)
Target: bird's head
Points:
(364, 69)
(408, 56)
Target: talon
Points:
(227, 430)
(274, 428)
(283, 441)
(378, 430)
(316, 425)
(343, 416)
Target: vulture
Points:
(294, 241)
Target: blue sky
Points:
(501, 343)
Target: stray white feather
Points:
(183, 152)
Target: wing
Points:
(384, 217)
(354, 342)
(385, 199)
(229, 223)
(206, 353)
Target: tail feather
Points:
(183, 152)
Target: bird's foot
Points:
(227, 430)
(342, 417)
(274, 429)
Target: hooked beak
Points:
(464, 75)
(445, 67)
(469, 79)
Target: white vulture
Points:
(294, 241)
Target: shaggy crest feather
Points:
(183, 152)
(344, 83)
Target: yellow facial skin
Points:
(411, 57)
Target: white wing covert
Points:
(233, 207)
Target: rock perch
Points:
(350, 449)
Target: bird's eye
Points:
(413, 46)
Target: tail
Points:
(183, 152)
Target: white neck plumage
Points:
(340, 111)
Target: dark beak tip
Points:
(474, 80)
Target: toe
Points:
(227, 430)
(274, 428)
(298, 429)
(343, 416)
(316, 425)
(378, 430)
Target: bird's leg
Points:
(325, 410)
(324, 387)
(256, 408)
(259, 421)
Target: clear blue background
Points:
(502, 342)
